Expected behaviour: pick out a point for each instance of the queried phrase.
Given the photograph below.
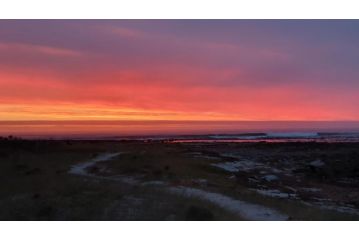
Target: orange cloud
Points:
(173, 70)
(48, 97)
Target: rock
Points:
(270, 178)
(317, 163)
(317, 167)
(200, 181)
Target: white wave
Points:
(292, 135)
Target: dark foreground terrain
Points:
(154, 180)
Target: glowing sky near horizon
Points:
(179, 70)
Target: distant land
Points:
(39, 129)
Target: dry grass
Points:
(35, 184)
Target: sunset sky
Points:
(179, 70)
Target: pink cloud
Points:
(126, 32)
(38, 49)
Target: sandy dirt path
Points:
(241, 208)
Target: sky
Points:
(215, 70)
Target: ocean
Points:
(185, 130)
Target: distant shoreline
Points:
(271, 137)
(160, 129)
